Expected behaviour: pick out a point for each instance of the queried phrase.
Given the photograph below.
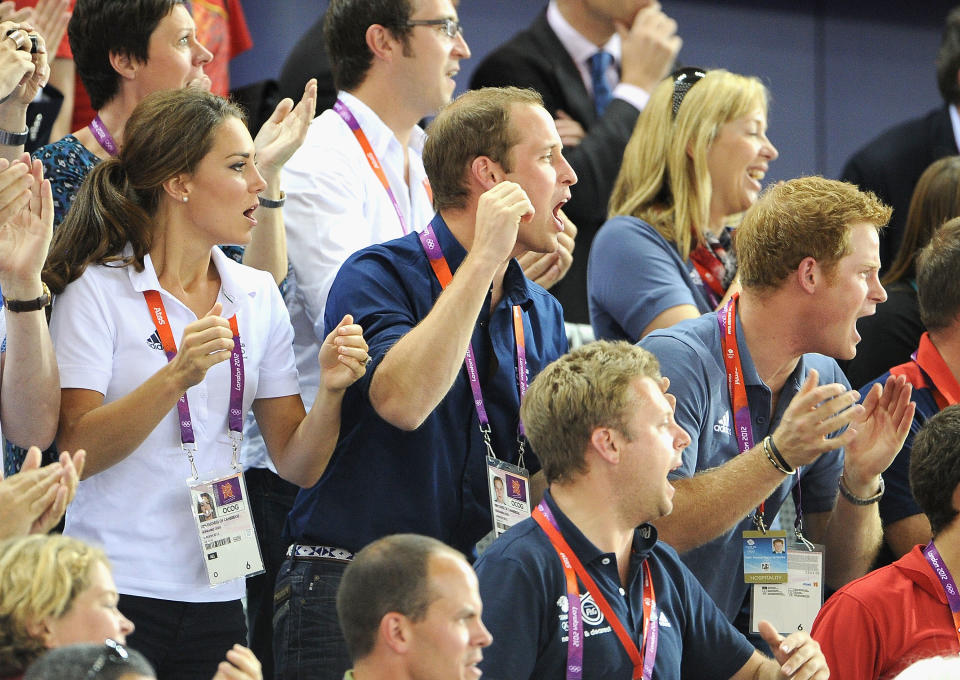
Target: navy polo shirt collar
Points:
(644, 538)
(516, 286)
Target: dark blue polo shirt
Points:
(382, 480)
(932, 379)
(524, 597)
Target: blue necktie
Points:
(602, 94)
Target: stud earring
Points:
(185, 199)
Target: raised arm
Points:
(708, 504)
(22, 75)
(30, 390)
(300, 445)
(417, 372)
(280, 136)
(852, 533)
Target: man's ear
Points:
(604, 444)
(395, 632)
(124, 64)
(809, 275)
(381, 42)
(487, 172)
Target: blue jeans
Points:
(307, 642)
(184, 640)
(271, 499)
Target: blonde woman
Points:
(696, 157)
(57, 591)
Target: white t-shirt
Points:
(335, 206)
(140, 509)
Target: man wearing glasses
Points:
(356, 180)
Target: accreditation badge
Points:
(228, 541)
(792, 605)
(509, 488)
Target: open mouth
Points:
(248, 213)
(756, 174)
(556, 213)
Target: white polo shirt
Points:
(336, 206)
(140, 509)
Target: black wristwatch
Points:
(33, 305)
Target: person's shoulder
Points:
(390, 259)
(524, 544)
(700, 335)
(903, 138)
(245, 275)
(522, 50)
(627, 225)
(328, 145)
(65, 153)
(882, 582)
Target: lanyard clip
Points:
(190, 448)
(521, 448)
(235, 438)
(800, 537)
(758, 522)
(485, 430)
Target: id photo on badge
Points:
(205, 507)
(499, 489)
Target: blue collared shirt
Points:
(690, 355)
(524, 594)
(382, 480)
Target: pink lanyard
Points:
(374, 162)
(431, 246)
(643, 659)
(946, 580)
(158, 314)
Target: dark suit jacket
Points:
(536, 58)
(891, 164)
(307, 60)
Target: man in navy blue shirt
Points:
(413, 438)
(808, 263)
(603, 427)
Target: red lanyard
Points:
(374, 162)
(737, 389)
(742, 425)
(710, 269)
(158, 314)
(643, 659)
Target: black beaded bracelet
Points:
(857, 500)
(778, 461)
(779, 456)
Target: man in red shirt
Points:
(878, 625)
